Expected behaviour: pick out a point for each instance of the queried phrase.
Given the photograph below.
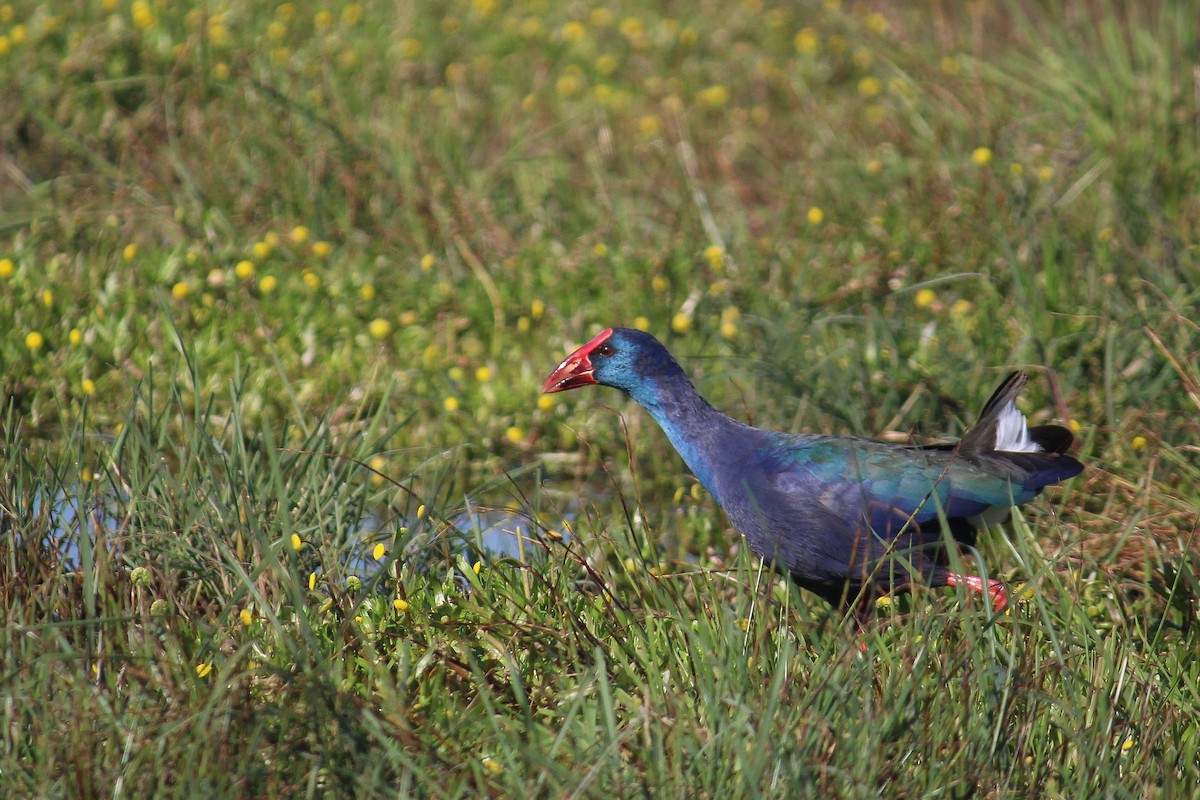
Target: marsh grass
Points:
(296, 275)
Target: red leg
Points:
(994, 588)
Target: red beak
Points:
(576, 369)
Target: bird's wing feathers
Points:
(887, 484)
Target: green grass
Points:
(295, 275)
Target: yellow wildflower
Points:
(379, 328)
(450, 404)
(130, 252)
(807, 41)
(34, 341)
(321, 249)
(268, 284)
(300, 234)
(379, 552)
(681, 323)
(715, 256)
(925, 298)
(982, 156)
(246, 617)
(6, 268)
(297, 542)
(202, 670)
(244, 270)
(815, 216)
(181, 290)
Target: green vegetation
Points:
(278, 289)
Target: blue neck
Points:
(696, 430)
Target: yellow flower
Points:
(261, 250)
(410, 48)
(427, 262)
(297, 542)
(600, 17)
(714, 96)
(6, 268)
(351, 14)
(268, 284)
(681, 323)
(545, 402)
(1138, 443)
(1074, 426)
(367, 292)
(450, 404)
(815, 216)
(311, 279)
(88, 386)
(567, 85)
(1016, 169)
(649, 126)
(246, 617)
(407, 318)
(421, 511)
(456, 73)
(202, 670)
(478, 565)
(658, 283)
(379, 328)
(142, 14)
(514, 434)
(1045, 173)
(323, 19)
(244, 270)
(600, 250)
(877, 23)
(379, 552)
(47, 298)
(949, 65)
(312, 581)
(961, 307)
(400, 604)
(300, 234)
(807, 41)
(34, 341)
(130, 252)
(321, 249)
(75, 336)
(641, 323)
(925, 298)
(982, 156)
(870, 86)
(181, 290)
(537, 309)
(483, 374)
(729, 329)
(572, 31)
(715, 256)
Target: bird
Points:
(850, 519)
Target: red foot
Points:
(994, 588)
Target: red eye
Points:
(604, 349)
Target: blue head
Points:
(624, 358)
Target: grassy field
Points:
(279, 286)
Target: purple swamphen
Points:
(846, 518)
